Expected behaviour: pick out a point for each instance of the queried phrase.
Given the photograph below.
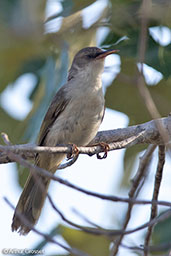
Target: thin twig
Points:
(45, 236)
(150, 105)
(49, 175)
(139, 180)
(95, 231)
(85, 229)
(143, 90)
(158, 179)
(152, 222)
(100, 231)
(142, 169)
(83, 217)
(110, 233)
(155, 248)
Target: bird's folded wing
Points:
(59, 103)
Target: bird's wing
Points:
(56, 107)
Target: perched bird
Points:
(73, 117)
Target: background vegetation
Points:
(25, 48)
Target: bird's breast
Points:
(80, 120)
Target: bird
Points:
(73, 117)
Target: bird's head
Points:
(89, 60)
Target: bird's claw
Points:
(74, 151)
(106, 148)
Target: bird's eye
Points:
(93, 55)
(90, 56)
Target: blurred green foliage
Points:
(26, 48)
(162, 234)
(91, 244)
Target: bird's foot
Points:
(74, 151)
(105, 148)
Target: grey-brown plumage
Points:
(73, 117)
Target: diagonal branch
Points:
(158, 179)
(110, 233)
(96, 231)
(49, 175)
(73, 251)
(133, 193)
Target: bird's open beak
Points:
(106, 53)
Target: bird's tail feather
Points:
(30, 203)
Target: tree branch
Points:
(158, 179)
(96, 231)
(147, 133)
(73, 251)
(134, 191)
(49, 175)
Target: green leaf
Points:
(126, 13)
(123, 94)
(7, 125)
(92, 244)
(156, 56)
(162, 233)
(75, 6)
(159, 57)
(124, 16)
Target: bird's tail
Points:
(30, 203)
